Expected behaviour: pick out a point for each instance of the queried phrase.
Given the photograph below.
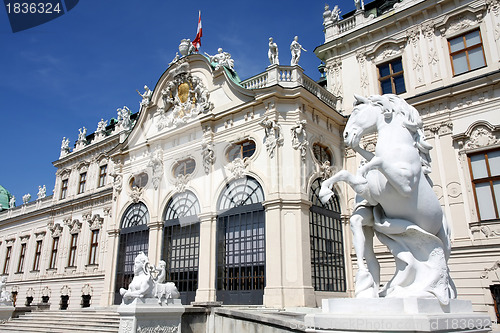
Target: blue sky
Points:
(82, 66)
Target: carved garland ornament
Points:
(238, 167)
(156, 164)
(207, 150)
(184, 98)
(299, 138)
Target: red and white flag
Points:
(199, 33)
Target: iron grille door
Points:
(132, 241)
(327, 245)
(181, 244)
(241, 255)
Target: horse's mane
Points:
(392, 105)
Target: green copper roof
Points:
(4, 198)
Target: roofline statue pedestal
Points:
(395, 201)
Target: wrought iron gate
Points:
(241, 255)
(181, 245)
(327, 245)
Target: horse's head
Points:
(362, 121)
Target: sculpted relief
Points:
(184, 98)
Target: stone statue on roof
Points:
(360, 5)
(273, 52)
(101, 127)
(82, 136)
(124, 118)
(42, 192)
(12, 202)
(296, 50)
(221, 59)
(65, 145)
(146, 96)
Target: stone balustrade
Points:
(290, 77)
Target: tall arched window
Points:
(327, 245)
(181, 243)
(134, 237)
(241, 243)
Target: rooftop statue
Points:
(124, 118)
(101, 127)
(273, 52)
(395, 200)
(82, 135)
(42, 192)
(12, 202)
(296, 49)
(221, 59)
(26, 198)
(360, 5)
(331, 16)
(146, 96)
(65, 145)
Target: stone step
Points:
(58, 322)
(36, 329)
(61, 321)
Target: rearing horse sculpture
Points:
(396, 201)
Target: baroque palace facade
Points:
(219, 177)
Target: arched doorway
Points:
(327, 243)
(181, 243)
(241, 243)
(134, 238)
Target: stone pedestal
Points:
(146, 315)
(396, 315)
(6, 312)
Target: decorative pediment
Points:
(83, 166)
(460, 22)
(55, 229)
(95, 222)
(478, 135)
(387, 50)
(184, 98)
(64, 173)
(75, 226)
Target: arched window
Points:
(327, 245)
(134, 237)
(241, 192)
(181, 243)
(241, 243)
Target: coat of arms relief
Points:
(184, 98)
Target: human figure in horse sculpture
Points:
(395, 201)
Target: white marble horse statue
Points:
(396, 202)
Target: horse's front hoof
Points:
(325, 194)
